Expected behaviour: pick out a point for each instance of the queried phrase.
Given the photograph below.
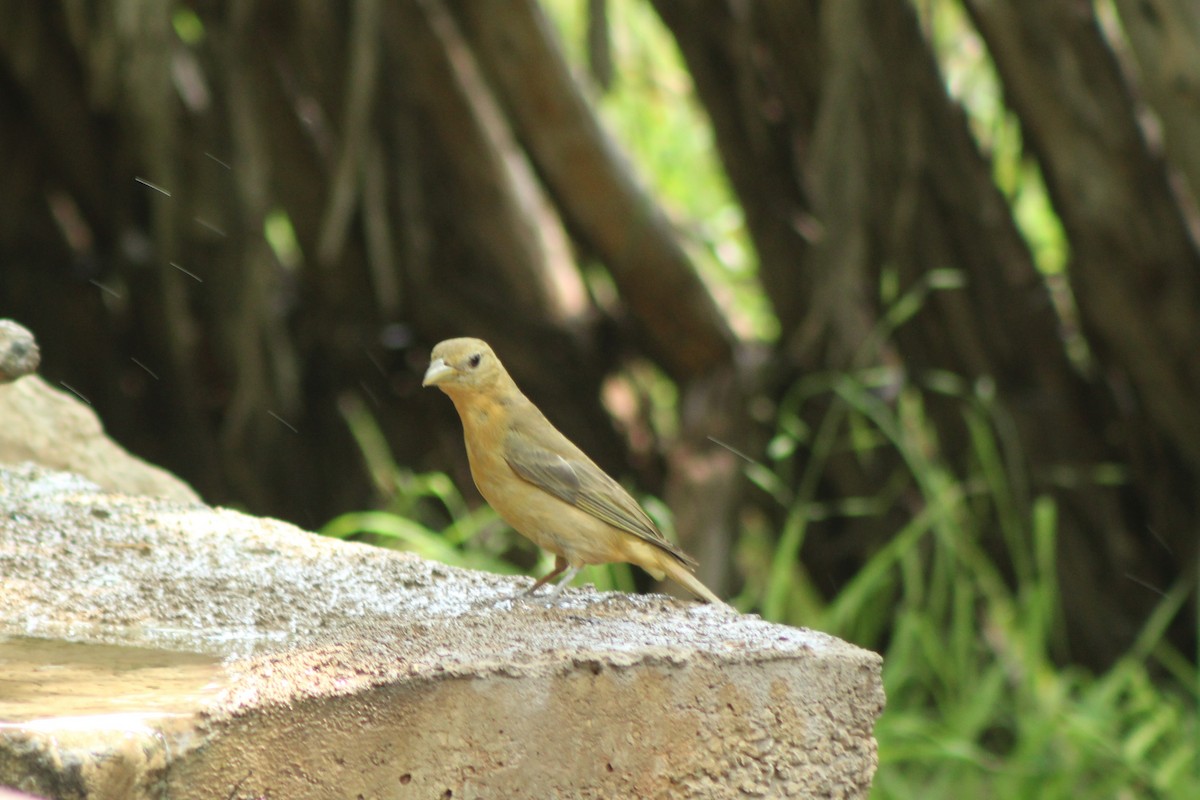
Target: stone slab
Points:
(152, 648)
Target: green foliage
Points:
(977, 706)
(281, 238)
(188, 26)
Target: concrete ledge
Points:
(159, 649)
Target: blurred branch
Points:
(594, 188)
(1165, 38)
(1135, 269)
(761, 112)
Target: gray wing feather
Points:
(575, 479)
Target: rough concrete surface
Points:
(151, 648)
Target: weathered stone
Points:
(161, 649)
(41, 424)
(57, 430)
(19, 353)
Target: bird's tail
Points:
(679, 573)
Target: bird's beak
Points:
(438, 371)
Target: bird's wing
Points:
(547, 459)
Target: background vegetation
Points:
(888, 309)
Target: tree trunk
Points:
(879, 163)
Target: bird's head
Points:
(458, 364)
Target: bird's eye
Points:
(474, 360)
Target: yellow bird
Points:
(542, 484)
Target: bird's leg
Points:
(560, 564)
(558, 587)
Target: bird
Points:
(540, 483)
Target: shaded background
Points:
(229, 222)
